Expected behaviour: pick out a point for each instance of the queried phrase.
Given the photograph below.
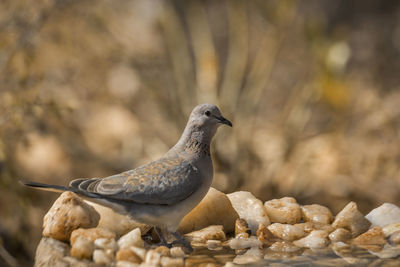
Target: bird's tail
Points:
(48, 187)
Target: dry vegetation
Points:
(93, 88)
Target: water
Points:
(334, 255)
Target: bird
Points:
(162, 192)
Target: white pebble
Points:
(316, 239)
(101, 257)
(250, 209)
(171, 262)
(384, 215)
(287, 232)
(133, 238)
(240, 243)
(106, 243)
(283, 210)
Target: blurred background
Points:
(92, 88)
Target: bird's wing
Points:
(165, 182)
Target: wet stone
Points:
(133, 238)
(241, 227)
(340, 235)
(316, 239)
(214, 232)
(286, 232)
(82, 248)
(241, 243)
(373, 239)
(316, 213)
(127, 254)
(102, 257)
(265, 235)
(284, 246)
(384, 215)
(352, 219)
(394, 238)
(283, 210)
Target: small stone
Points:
(340, 235)
(82, 248)
(208, 212)
(133, 238)
(241, 226)
(214, 232)
(127, 254)
(384, 215)
(394, 238)
(316, 213)
(265, 235)
(106, 243)
(390, 229)
(69, 212)
(284, 246)
(316, 239)
(141, 252)
(351, 219)
(91, 234)
(163, 250)
(125, 224)
(283, 210)
(241, 243)
(214, 244)
(50, 250)
(286, 232)
(250, 209)
(101, 257)
(242, 235)
(172, 262)
(177, 252)
(373, 239)
(388, 252)
(153, 258)
(127, 264)
(252, 255)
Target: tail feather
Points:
(58, 188)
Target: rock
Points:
(163, 250)
(177, 252)
(133, 238)
(127, 264)
(172, 262)
(387, 252)
(214, 232)
(252, 255)
(50, 252)
(69, 212)
(101, 257)
(373, 239)
(214, 244)
(265, 235)
(241, 243)
(340, 235)
(208, 212)
(153, 258)
(127, 254)
(316, 239)
(250, 209)
(82, 248)
(141, 252)
(106, 243)
(384, 215)
(390, 229)
(284, 246)
(351, 219)
(125, 224)
(394, 238)
(91, 234)
(316, 213)
(241, 227)
(286, 232)
(283, 210)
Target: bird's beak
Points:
(224, 121)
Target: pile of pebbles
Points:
(242, 227)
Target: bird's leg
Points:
(163, 242)
(182, 240)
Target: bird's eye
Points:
(207, 113)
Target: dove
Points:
(162, 192)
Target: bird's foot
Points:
(181, 240)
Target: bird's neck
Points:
(195, 141)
